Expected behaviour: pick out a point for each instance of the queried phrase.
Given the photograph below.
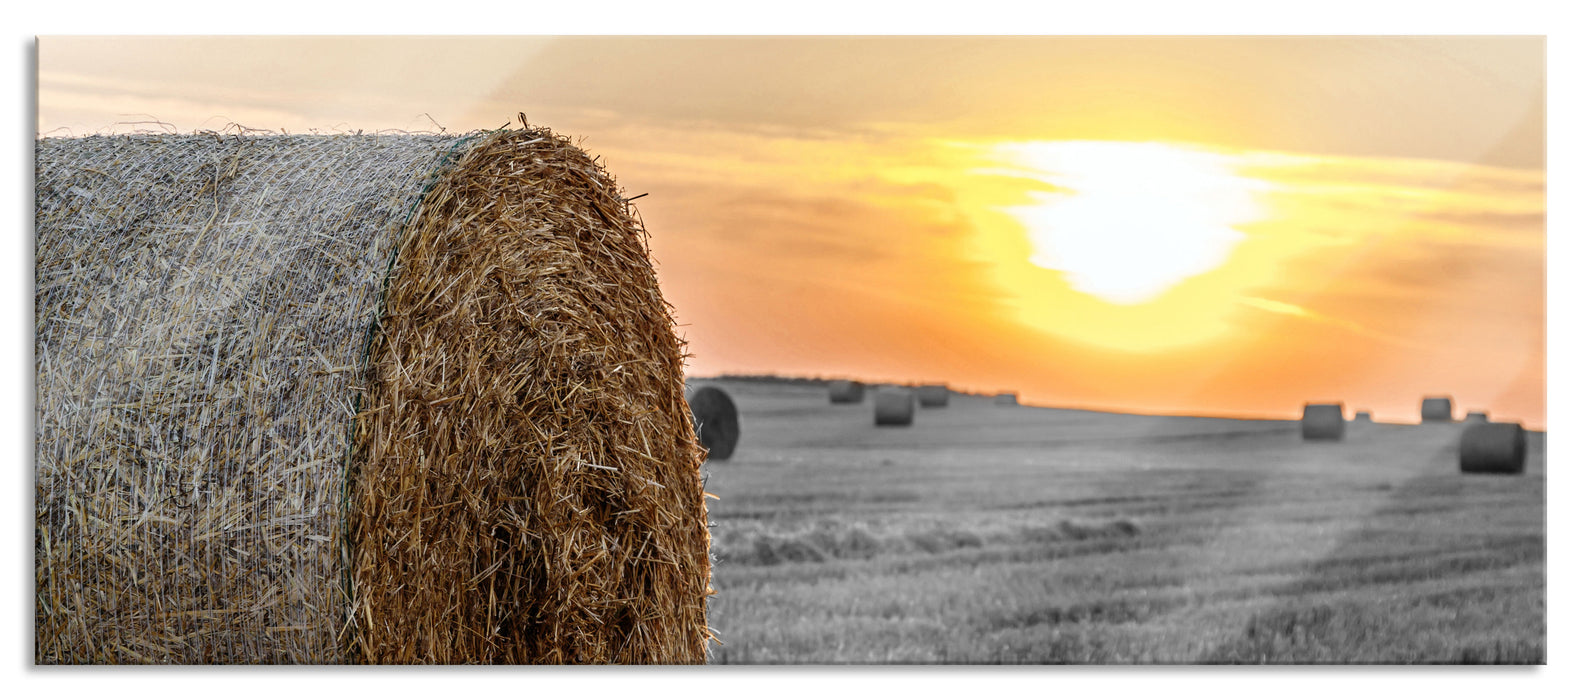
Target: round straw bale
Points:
(845, 391)
(1323, 421)
(1493, 448)
(1362, 417)
(1437, 408)
(892, 405)
(714, 418)
(356, 399)
(1006, 399)
(933, 396)
(1477, 417)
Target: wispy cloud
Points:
(1287, 309)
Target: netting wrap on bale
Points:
(356, 399)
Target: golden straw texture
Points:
(202, 337)
(528, 487)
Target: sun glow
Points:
(1135, 247)
(1131, 220)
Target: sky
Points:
(1202, 225)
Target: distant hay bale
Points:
(1323, 421)
(1493, 448)
(845, 391)
(1437, 409)
(1477, 417)
(892, 405)
(933, 396)
(714, 416)
(1362, 417)
(356, 399)
(1006, 399)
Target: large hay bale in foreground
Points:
(714, 417)
(892, 406)
(1437, 408)
(845, 391)
(1006, 399)
(356, 399)
(1494, 448)
(933, 396)
(1323, 421)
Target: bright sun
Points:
(1131, 220)
(1131, 246)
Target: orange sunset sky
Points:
(1220, 226)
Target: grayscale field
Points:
(1016, 534)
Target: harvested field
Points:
(1041, 536)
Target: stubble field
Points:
(990, 534)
